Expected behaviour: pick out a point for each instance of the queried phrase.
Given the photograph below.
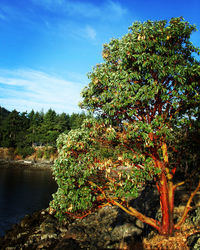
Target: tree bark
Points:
(166, 203)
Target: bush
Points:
(48, 152)
(39, 153)
(24, 151)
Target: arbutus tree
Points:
(146, 88)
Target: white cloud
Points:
(91, 32)
(106, 9)
(116, 9)
(30, 89)
(69, 17)
(84, 9)
(77, 31)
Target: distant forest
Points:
(24, 130)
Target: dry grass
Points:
(176, 242)
(159, 242)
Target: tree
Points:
(144, 91)
(76, 120)
(35, 134)
(14, 130)
(48, 127)
(11, 128)
(3, 115)
(63, 123)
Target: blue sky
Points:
(47, 47)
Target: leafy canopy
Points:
(149, 72)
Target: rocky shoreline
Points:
(100, 230)
(26, 164)
(107, 228)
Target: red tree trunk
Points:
(167, 204)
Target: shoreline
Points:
(26, 164)
(111, 227)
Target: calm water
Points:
(23, 191)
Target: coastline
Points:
(107, 228)
(39, 164)
(111, 227)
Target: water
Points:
(22, 192)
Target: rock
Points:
(24, 222)
(124, 231)
(107, 228)
(193, 241)
(48, 227)
(48, 236)
(195, 217)
(70, 244)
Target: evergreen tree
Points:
(76, 120)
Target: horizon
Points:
(48, 47)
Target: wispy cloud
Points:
(6, 12)
(30, 89)
(18, 14)
(78, 18)
(105, 9)
(90, 32)
(83, 9)
(2, 16)
(116, 8)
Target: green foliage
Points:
(76, 120)
(145, 90)
(153, 65)
(149, 79)
(24, 151)
(68, 167)
(48, 152)
(93, 159)
(12, 129)
(22, 130)
(3, 113)
(39, 153)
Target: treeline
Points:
(24, 130)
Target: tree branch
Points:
(132, 211)
(187, 208)
(178, 185)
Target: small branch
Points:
(78, 217)
(101, 190)
(132, 211)
(187, 208)
(179, 184)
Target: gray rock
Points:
(196, 217)
(106, 228)
(24, 222)
(48, 236)
(193, 241)
(124, 231)
(70, 244)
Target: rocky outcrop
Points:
(194, 241)
(107, 228)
